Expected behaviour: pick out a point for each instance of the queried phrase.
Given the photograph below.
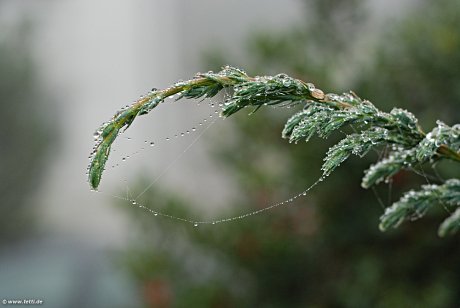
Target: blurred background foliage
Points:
(326, 249)
(26, 135)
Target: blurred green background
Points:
(324, 250)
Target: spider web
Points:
(203, 122)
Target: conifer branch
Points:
(322, 115)
(414, 204)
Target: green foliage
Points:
(322, 115)
(413, 205)
(325, 251)
(441, 139)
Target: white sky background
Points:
(96, 56)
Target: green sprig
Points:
(322, 115)
(248, 91)
(414, 204)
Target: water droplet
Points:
(155, 214)
(134, 202)
(123, 159)
(182, 134)
(195, 225)
(167, 139)
(193, 129)
(152, 144)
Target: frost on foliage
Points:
(414, 204)
(451, 225)
(358, 144)
(213, 84)
(440, 135)
(364, 113)
(306, 123)
(386, 168)
(323, 119)
(268, 90)
(405, 119)
(425, 150)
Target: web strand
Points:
(221, 220)
(171, 164)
